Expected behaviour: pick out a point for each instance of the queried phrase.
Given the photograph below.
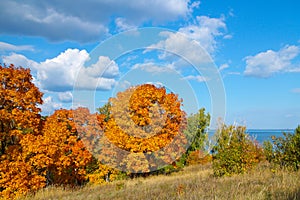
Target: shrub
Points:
(268, 151)
(235, 152)
(102, 174)
(285, 151)
(198, 157)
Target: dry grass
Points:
(194, 182)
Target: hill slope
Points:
(194, 182)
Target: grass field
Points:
(194, 182)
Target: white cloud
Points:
(154, 68)
(60, 73)
(205, 31)
(177, 45)
(122, 25)
(195, 4)
(65, 97)
(84, 20)
(104, 68)
(19, 60)
(185, 43)
(196, 78)
(10, 47)
(223, 66)
(234, 73)
(156, 84)
(228, 36)
(49, 106)
(296, 90)
(267, 63)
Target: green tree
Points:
(196, 131)
(197, 136)
(105, 110)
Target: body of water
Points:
(262, 135)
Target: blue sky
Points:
(254, 47)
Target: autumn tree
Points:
(19, 116)
(58, 153)
(90, 129)
(145, 123)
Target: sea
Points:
(262, 135)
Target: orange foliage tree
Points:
(142, 128)
(58, 153)
(90, 129)
(19, 116)
(145, 128)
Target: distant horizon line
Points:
(263, 129)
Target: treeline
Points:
(141, 131)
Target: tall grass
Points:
(194, 182)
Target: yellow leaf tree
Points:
(144, 128)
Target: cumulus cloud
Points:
(205, 31)
(10, 47)
(84, 20)
(177, 45)
(185, 42)
(20, 60)
(59, 74)
(65, 97)
(49, 106)
(267, 63)
(104, 68)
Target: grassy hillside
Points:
(194, 182)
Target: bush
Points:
(235, 152)
(198, 157)
(285, 150)
(268, 151)
(103, 174)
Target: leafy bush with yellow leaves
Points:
(235, 152)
